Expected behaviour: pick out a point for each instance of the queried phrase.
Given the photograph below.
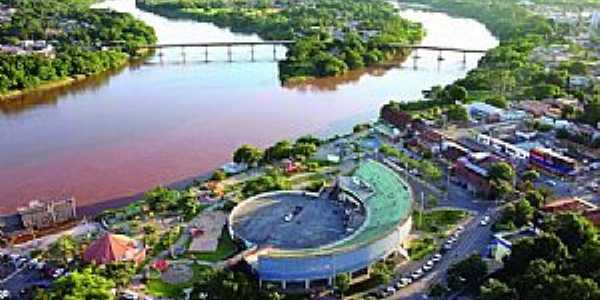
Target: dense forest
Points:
(76, 33)
(332, 35)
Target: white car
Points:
(551, 183)
(417, 274)
(427, 267)
(406, 280)
(400, 284)
(288, 217)
(390, 289)
(4, 294)
(436, 257)
(447, 245)
(58, 272)
(483, 223)
(129, 295)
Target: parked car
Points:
(417, 274)
(288, 217)
(406, 280)
(447, 246)
(400, 285)
(4, 294)
(129, 295)
(436, 257)
(428, 266)
(58, 272)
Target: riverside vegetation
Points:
(77, 34)
(332, 36)
(508, 72)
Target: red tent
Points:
(112, 247)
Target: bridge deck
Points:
(218, 44)
(290, 42)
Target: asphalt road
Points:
(22, 280)
(474, 239)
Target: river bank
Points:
(32, 59)
(53, 86)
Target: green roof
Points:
(388, 206)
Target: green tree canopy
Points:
(247, 154)
(80, 285)
(467, 272)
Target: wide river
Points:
(174, 117)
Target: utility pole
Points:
(422, 208)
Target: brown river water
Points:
(168, 119)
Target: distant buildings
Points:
(551, 56)
(503, 148)
(479, 111)
(574, 205)
(484, 112)
(568, 205)
(550, 161)
(6, 13)
(40, 47)
(472, 171)
(400, 119)
(41, 215)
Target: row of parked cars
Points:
(43, 274)
(424, 269)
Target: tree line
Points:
(332, 36)
(77, 34)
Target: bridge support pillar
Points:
(464, 58)
(416, 54)
(252, 52)
(205, 54)
(274, 52)
(440, 56)
(229, 53)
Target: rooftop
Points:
(388, 206)
(568, 205)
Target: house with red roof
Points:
(472, 171)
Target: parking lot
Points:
(28, 275)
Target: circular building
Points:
(303, 240)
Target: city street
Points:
(474, 239)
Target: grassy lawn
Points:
(439, 220)
(421, 248)
(225, 249)
(158, 288)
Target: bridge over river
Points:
(276, 43)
